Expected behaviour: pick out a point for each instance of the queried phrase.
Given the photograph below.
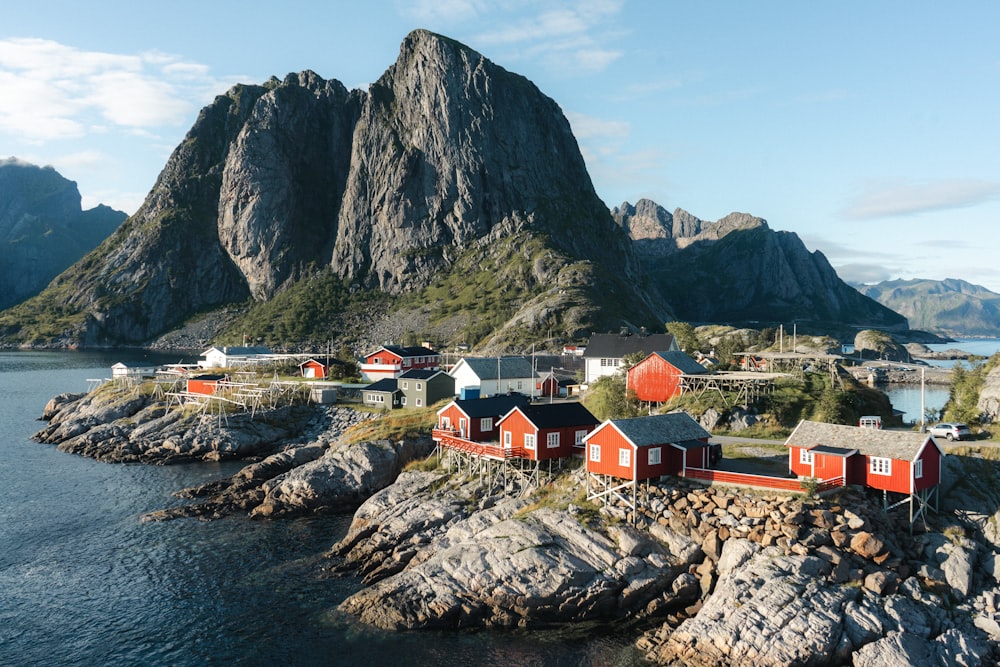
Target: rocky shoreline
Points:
(700, 576)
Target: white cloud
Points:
(54, 91)
(884, 200)
(570, 36)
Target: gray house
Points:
(421, 387)
(383, 394)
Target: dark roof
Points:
(833, 451)
(675, 427)
(386, 384)
(420, 374)
(555, 415)
(486, 368)
(248, 351)
(617, 346)
(416, 351)
(208, 376)
(682, 362)
(494, 406)
(902, 445)
(690, 444)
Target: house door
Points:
(506, 441)
(463, 427)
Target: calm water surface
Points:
(84, 582)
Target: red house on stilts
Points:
(622, 452)
(905, 463)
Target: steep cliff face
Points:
(739, 270)
(43, 228)
(388, 188)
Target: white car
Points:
(951, 431)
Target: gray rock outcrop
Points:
(495, 568)
(446, 154)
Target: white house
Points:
(226, 357)
(495, 375)
(604, 352)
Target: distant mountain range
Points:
(950, 307)
(739, 271)
(43, 229)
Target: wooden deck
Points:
(493, 450)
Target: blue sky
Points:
(870, 129)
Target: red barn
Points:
(205, 383)
(313, 369)
(477, 419)
(657, 378)
(643, 448)
(546, 430)
(391, 361)
(903, 462)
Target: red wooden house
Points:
(477, 419)
(903, 462)
(644, 448)
(391, 361)
(657, 378)
(313, 369)
(205, 383)
(546, 430)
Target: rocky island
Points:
(698, 575)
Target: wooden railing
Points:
(765, 481)
(450, 438)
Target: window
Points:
(520, 385)
(529, 440)
(918, 469)
(880, 466)
(420, 402)
(580, 435)
(595, 453)
(445, 422)
(805, 457)
(486, 424)
(654, 456)
(402, 400)
(552, 440)
(420, 386)
(625, 457)
(406, 385)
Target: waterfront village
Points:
(494, 492)
(503, 419)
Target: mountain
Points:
(951, 307)
(449, 181)
(738, 270)
(43, 228)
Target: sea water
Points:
(84, 581)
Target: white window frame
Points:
(529, 441)
(806, 457)
(419, 387)
(486, 424)
(595, 453)
(552, 440)
(625, 457)
(580, 435)
(420, 402)
(880, 465)
(445, 422)
(402, 400)
(918, 469)
(406, 385)
(655, 456)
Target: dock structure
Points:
(742, 386)
(498, 468)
